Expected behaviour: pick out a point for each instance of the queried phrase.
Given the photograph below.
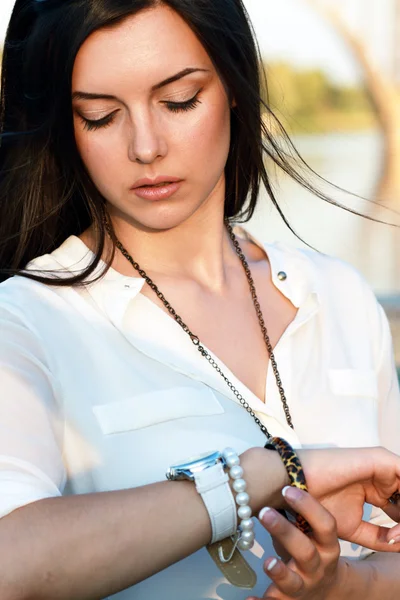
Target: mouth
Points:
(157, 190)
(155, 186)
(158, 182)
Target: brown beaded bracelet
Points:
(294, 470)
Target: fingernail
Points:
(291, 493)
(272, 564)
(394, 541)
(262, 512)
(267, 516)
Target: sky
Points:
(290, 30)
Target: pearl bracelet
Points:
(244, 537)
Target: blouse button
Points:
(282, 276)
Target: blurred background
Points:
(333, 69)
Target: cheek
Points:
(207, 141)
(91, 153)
(99, 155)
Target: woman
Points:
(131, 134)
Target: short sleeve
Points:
(31, 426)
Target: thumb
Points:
(376, 537)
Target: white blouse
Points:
(102, 390)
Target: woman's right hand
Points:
(344, 479)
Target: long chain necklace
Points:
(195, 339)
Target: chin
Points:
(161, 218)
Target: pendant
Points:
(232, 563)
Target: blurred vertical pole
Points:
(396, 42)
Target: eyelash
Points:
(174, 107)
(183, 106)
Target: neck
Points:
(199, 249)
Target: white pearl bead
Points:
(246, 524)
(242, 498)
(248, 536)
(244, 512)
(239, 485)
(232, 460)
(242, 545)
(236, 472)
(228, 452)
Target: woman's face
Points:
(149, 104)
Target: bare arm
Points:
(374, 578)
(92, 546)
(385, 575)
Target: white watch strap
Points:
(212, 484)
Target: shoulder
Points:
(348, 310)
(338, 285)
(20, 294)
(347, 303)
(327, 275)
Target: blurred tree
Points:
(308, 101)
(383, 90)
(396, 35)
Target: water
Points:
(352, 161)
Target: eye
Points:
(90, 124)
(183, 106)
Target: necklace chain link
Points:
(195, 339)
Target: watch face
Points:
(188, 468)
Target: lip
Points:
(145, 188)
(148, 182)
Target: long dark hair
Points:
(46, 194)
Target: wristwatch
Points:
(211, 480)
(190, 467)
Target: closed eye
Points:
(92, 124)
(183, 106)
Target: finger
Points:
(375, 537)
(300, 547)
(393, 538)
(284, 579)
(281, 551)
(322, 522)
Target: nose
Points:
(147, 143)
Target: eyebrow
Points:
(78, 95)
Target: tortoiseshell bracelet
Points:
(294, 470)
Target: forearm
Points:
(385, 576)
(373, 578)
(92, 546)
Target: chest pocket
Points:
(353, 383)
(155, 407)
(351, 417)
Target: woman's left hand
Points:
(315, 570)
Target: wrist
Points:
(266, 476)
(352, 581)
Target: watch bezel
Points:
(190, 467)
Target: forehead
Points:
(144, 49)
